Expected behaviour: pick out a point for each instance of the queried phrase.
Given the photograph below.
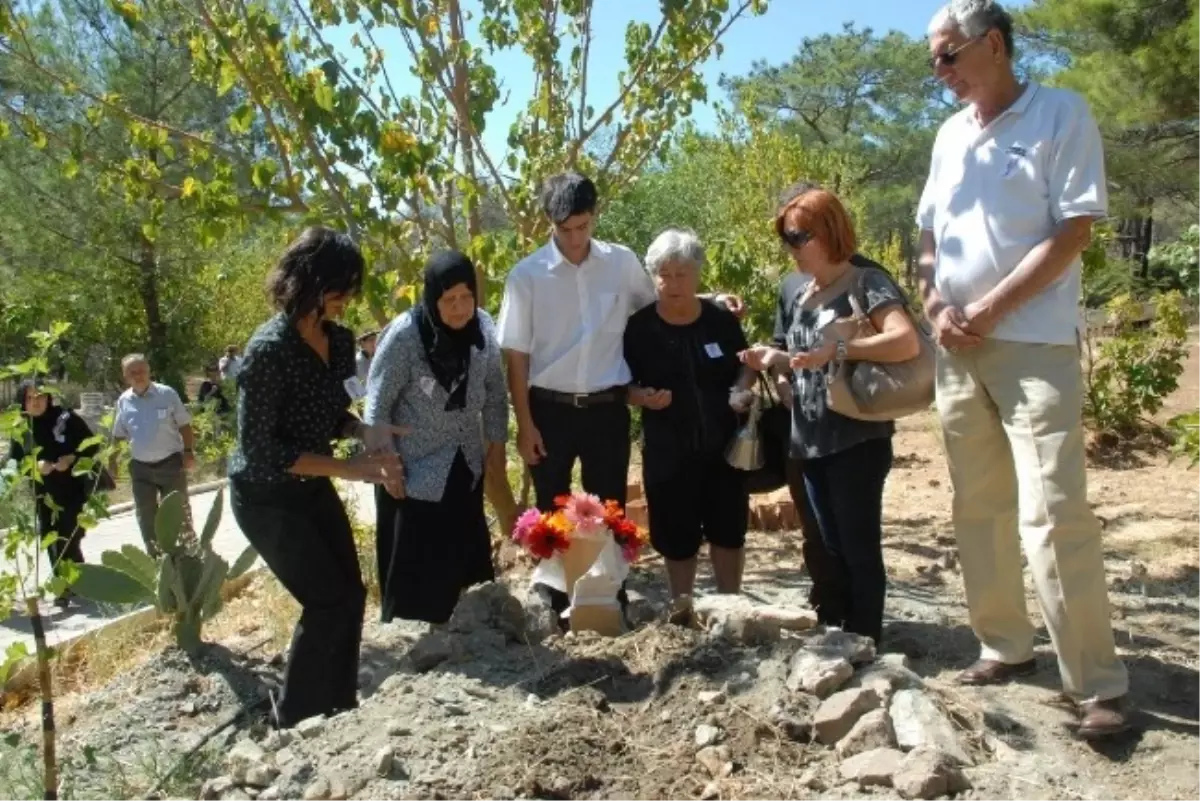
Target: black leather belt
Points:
(580, 400)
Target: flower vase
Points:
(591, 585)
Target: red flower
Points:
(543, 541)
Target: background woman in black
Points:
(56, 434)
(682, 352)
(296, 385)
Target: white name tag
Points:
(825, 317)
(355, 388)
(162, 414)
(713, 350)
(427, 384)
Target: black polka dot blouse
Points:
(289, 401)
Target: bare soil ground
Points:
(474, 712)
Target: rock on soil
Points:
(873, 730)
(872, 768)
(918, 721)
(817, 674)
(838, 713)
(929, 773)
(736, 618)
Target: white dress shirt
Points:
(994, 193)
(570, 319)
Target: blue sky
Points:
(774, 37)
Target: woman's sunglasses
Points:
(951, 56)
(795, 239)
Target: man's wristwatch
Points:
(841, 350)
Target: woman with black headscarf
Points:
(437, 373)
(55, 435)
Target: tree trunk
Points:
(1145, 237)
(49, 750)
(156, 327)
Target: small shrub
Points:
(1128, 375)
(1185, 433)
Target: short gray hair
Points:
(675, 244)
(134, 358)
(974, 18)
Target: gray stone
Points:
(710, 697)
(918, 721)
(311, 727)
(889, 672)
(284, 756)
(272, 793)
(873, 730)
(540, 620)
(318, 790)
(735, 618)
(790, 618)
(854, 648)
(713, 758)
(212, 789)
(711, 791)
(817, 674)
(261, 775)
(838, 713)
(872, 768)
(707, 734)
(243, 756)
(397, 729)
(432, 650)
(385, 758)
(280, 738)
(929, 773)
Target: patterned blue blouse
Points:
(401, 390)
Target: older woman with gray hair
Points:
(682, 352)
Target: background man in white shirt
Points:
(1015, 182)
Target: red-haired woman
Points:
(846, 461)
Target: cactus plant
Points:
(184, 582)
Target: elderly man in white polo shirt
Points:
(158, 427)
(1015, 182)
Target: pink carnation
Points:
(525, 524)
(585, 511)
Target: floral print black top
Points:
(289, 401)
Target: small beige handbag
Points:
(876, 391)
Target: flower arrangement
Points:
(544, 534)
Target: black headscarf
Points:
(447, 350)
(50, 424)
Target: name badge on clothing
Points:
(355, 388)
(713, 350)
(825, 317)
(427, 384)
(162, 414)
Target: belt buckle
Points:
(575, 398)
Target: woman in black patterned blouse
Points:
(296, 385)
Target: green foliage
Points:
(184, 582)
(1185, 432)
(1176, 265)
(1129, 373)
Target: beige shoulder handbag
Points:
(876, 391)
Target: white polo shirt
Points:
(994, 193)
(571, 319)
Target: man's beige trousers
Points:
(1012, 419)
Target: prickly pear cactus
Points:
(185, 582)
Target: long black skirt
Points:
(430, 551)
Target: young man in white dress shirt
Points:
(562, 327)
(1015, 182)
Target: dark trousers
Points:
(598, 436)
(846, 491)
(303, 534)
(151, 482)
(826, 593)
(65, 523)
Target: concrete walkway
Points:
(122, 529)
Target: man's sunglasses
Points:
(795, 239)
(951, 56)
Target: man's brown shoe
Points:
(1099, 719)
(990, 671)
